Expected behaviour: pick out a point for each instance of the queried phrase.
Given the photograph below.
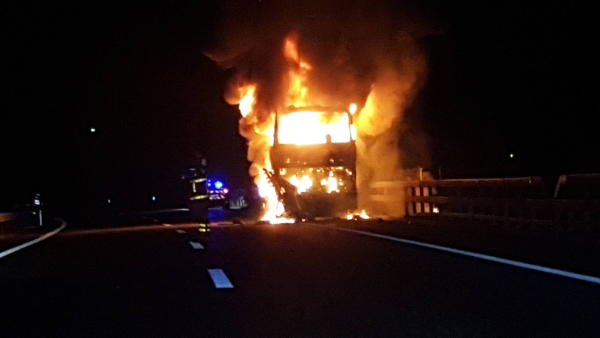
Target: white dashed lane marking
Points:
(220, 279)
(179, 231)
(196, 245)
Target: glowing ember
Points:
(332, 184)
(302, 184)
(357, 215)
(334, 180)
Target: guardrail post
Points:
(418, 194)
(426, 205)
(410, 208)
(562, 179)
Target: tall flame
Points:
(260, 140)
(298, 70)
(372, 119)
(260, 137)
(299, 127)
(248, 99)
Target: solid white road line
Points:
(179, 231)
(500, 260)
(220, 279)
(196, 245)
(32, 242)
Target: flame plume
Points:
(361, 55)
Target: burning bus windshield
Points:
(312, 127)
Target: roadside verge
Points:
(16, 241)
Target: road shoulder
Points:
(17, 235)
(571, 252)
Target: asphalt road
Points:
(288, 280)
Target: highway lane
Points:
(287, 280)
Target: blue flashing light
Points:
(218, 184)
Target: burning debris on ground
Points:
(321, 102)
(357, 215)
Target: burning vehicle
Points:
(310, 133)
(314, 151)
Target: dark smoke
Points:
(348, 42)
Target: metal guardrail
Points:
(584, 185)
(523, 200)
(14, 216)
(20, 218)
(7, 216)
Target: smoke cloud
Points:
(366, 52)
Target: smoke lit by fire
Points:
(368, 72)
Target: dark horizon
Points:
(508, 79)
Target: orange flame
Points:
(297, 74)
(313, 127)
(297, 127)
(248, 99)
(357, 215)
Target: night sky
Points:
(503, 78)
